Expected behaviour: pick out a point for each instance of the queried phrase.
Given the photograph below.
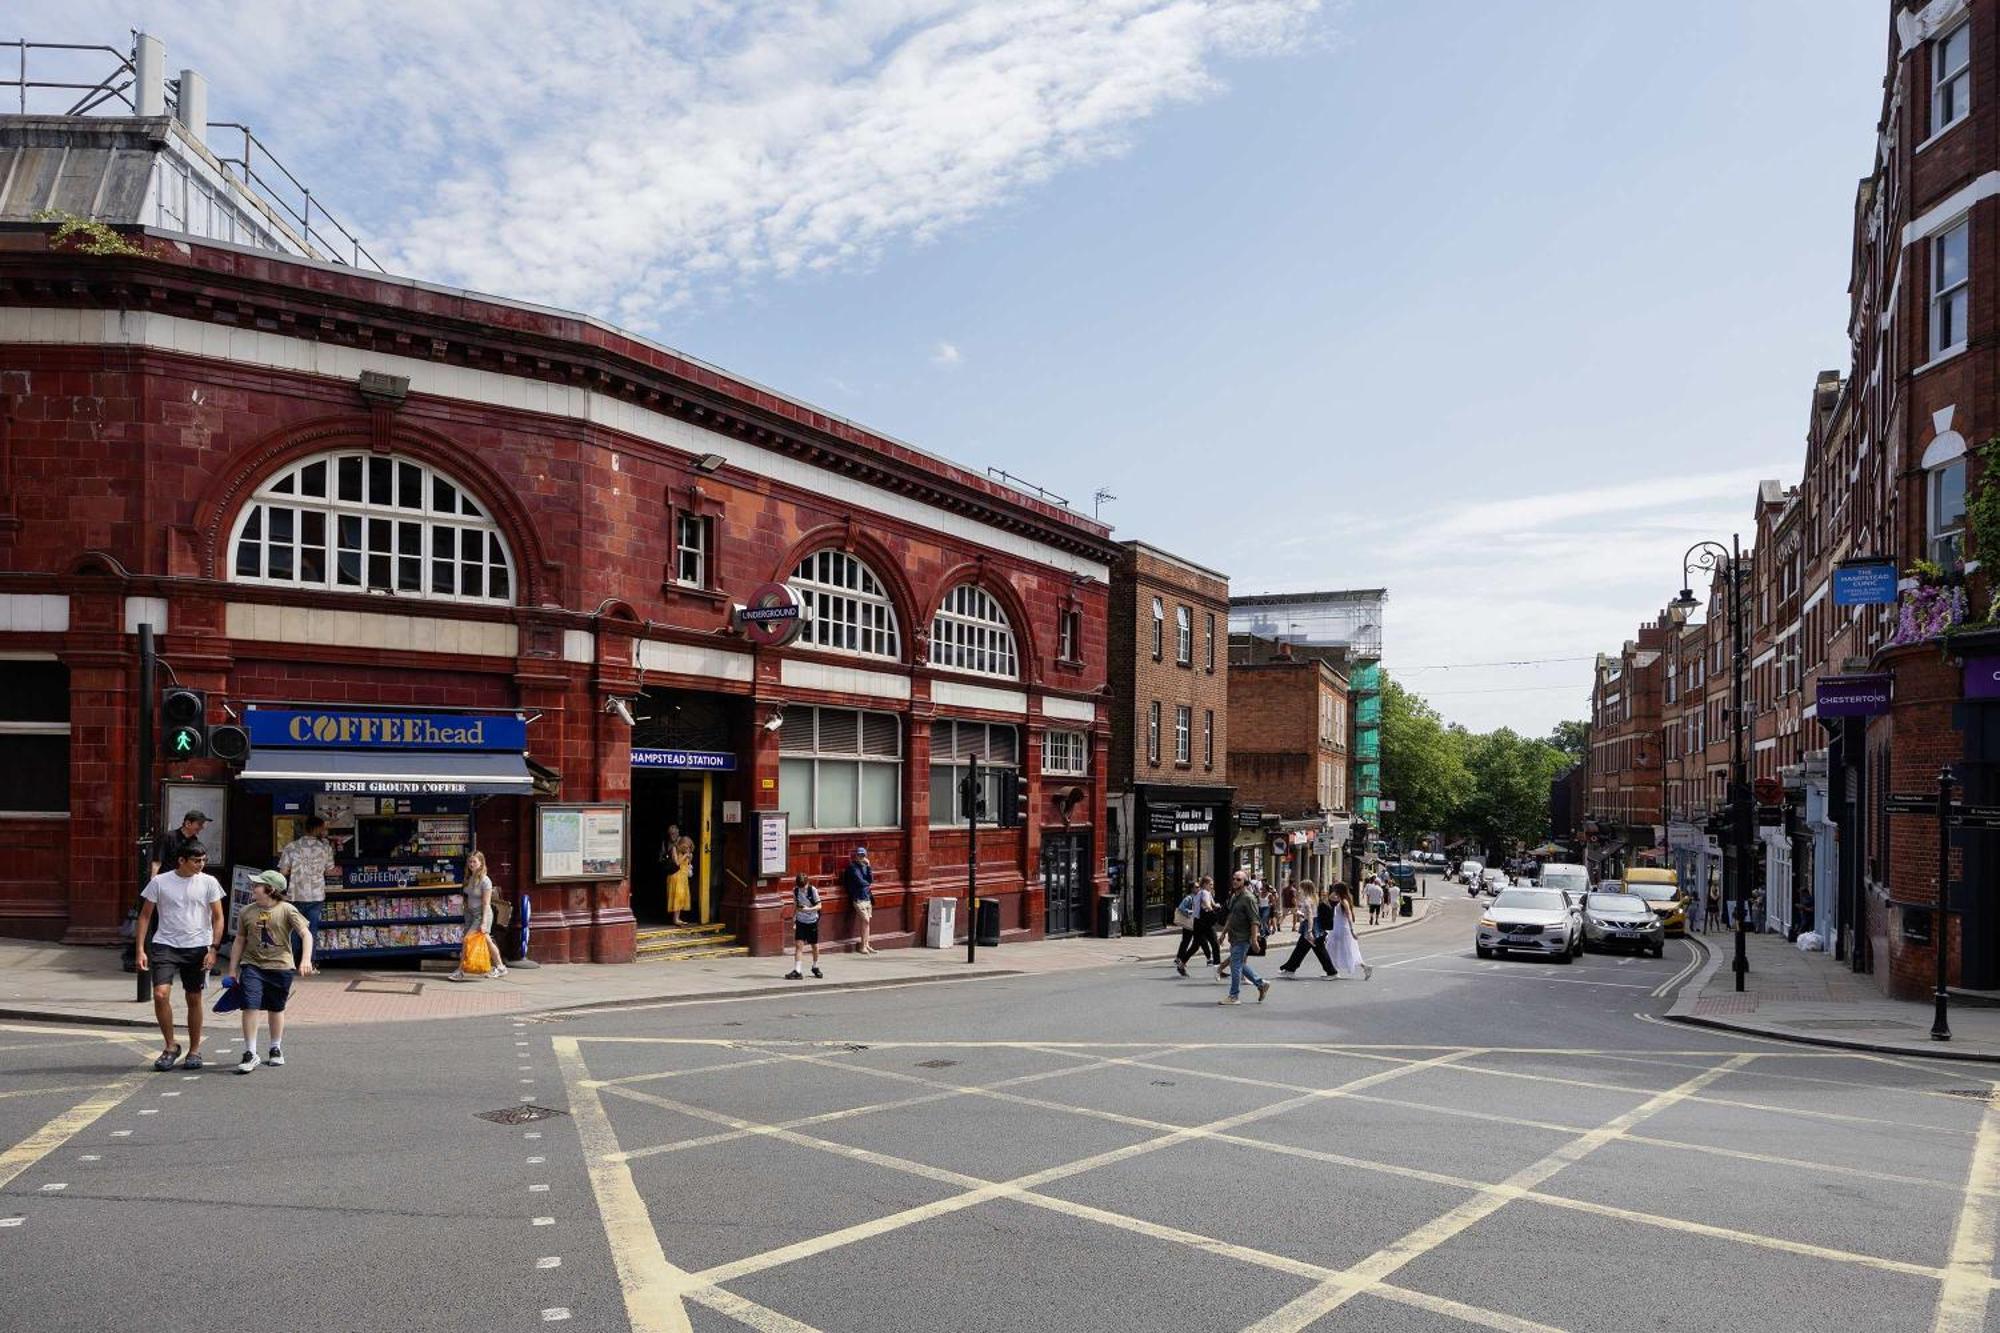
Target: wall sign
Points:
(1864, 583)
(704, 761)
(580, 842)
(1982, 677)
(771, 615)
(1180, 821)
(331, 729)
(1858, 695)
(773, 843)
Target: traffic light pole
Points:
(148, 687)
(1940, 921)
(971, 797)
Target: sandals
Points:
(168, 1059)
(194, 1061)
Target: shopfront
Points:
(400, 792)
(1178, 832)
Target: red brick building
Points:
(1169, 655)
(1290, 724)
(1626, 765)
(336, 494)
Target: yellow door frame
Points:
(707, 842)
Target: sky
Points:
(1499, 304)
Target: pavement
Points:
(59, 983)
(1454, 1143)
(1791, 995)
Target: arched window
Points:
(970, 633)
(366, 522)
(847, 608)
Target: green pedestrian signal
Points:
(184, 742)
(185, 713)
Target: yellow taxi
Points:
(1661, 889)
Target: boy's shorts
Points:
(264, 988)
(806, 932)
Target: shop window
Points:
(953, 745)
(1951, 293)
(693, 537)
(1951, 77)
(374, 523)
(1153, 733)
(1183, 636)
(1065, 754)
(839, 768)
(970, 632)
(1945, 513)
(848, 609)
(1183, 734)
(1069, 636)
(34, 738)
(1159, 628)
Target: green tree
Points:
(1509, 806)
(1423, 766)
(1572, 738)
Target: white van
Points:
(1469, 871)
(1565, 875)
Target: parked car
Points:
(1622, 921)
(1403, 876)
(1662, 889)
(1529, 921)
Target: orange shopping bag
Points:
(475, 956)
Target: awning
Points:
(390, 773)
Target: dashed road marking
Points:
(536, 1161)
(65, 1127)
(538, 1189)
(555, 1315)
(54, 1186)
(90, 1157)
(549, 1261)
(121, 1133)
(544, 1221)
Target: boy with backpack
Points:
(805, 926)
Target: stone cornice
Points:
(270, 293)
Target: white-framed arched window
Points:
(353, 521)
(970, 632)
(847, 608)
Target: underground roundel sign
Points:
(771, 615)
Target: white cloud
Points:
(619, 158)
(946, 354)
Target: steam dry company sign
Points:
(1181, 821)
(332, 729)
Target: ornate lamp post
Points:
(1728, 561)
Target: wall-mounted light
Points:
(709, 463)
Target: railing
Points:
(348, 250)
(93, 96)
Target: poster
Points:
(580, 842)
(212, 799)
(773, 842)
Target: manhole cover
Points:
(936, 1064)
(520, 1115)
(1845, 1024)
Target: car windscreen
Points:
(1616, 902)
(1532, 900)
(1654, 893)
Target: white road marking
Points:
(149, 1110)
(556, 1315)
(90, 1157)
(538, 1189)
(189, 1078)
(549, 1261)
(31, 1150)
(532, 1134)
(11, 1221)
(536, 1161)
(121, 1133)
(1967, 1282)
(171, 1094)
(55, 1185)
(545, 1221)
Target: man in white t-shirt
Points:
(188, 903)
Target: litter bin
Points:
(942, 923)
(1407, 905)
(989, 923)
(1109, 927)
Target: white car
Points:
(1469, 871)
(1493, 880)
(1530, 921)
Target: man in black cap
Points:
(168, 853)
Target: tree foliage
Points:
(1423, 764)
(1572, 738)
(1491, 787)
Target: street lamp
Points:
(1728, 561)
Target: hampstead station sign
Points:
(315, 729)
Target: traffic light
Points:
(184, 722)
(229, 743)
(1013, 799)
(972, 797)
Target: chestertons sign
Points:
(329, 729)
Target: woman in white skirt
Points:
(1346, 950)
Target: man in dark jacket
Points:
(1244, 928)
(858, 881)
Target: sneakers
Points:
(248, 1062)
(795, 975)
(1367, 971)
(818, 975)
(1229, 999)
(1181, 968)
(275, 1058)
(1263, 989)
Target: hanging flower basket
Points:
(1929, 611)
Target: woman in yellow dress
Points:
(677, 883)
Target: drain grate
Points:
(936, 1064)
(1164, 1083)
(520, 1115)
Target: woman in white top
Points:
(1346, 950)
(479, 895)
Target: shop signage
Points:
(1855, 696)
(1982, 677)
(1180, 821)
(1864, 583)
(771, 615)
(393, 786)
(334, 729)
(706, 761)
(1250, 814)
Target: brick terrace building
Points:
(1290, 722)
(1169, 728)
(1626, 769)
(1684, 738)
(343, 495)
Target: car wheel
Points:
(1565, 957)
(1659, 951)
(1482, 951)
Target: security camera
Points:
(776, 720)
(621, 709)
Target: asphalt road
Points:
(1514, 1145)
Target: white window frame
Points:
(1183, 636)
(1065, 754)
(1951, 86)
(463, 516)
(691, 553)
(1210, 643)
(1159, 629)
(848, 608)
(821, 759)
(1935, 533)
(1183, 734)
(1153, 733)
(970, 633)
(1069, 635)
(1953, 303)
(1208, 738)
(979, 738)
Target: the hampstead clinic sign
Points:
(330, 729)
(1864, 583)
